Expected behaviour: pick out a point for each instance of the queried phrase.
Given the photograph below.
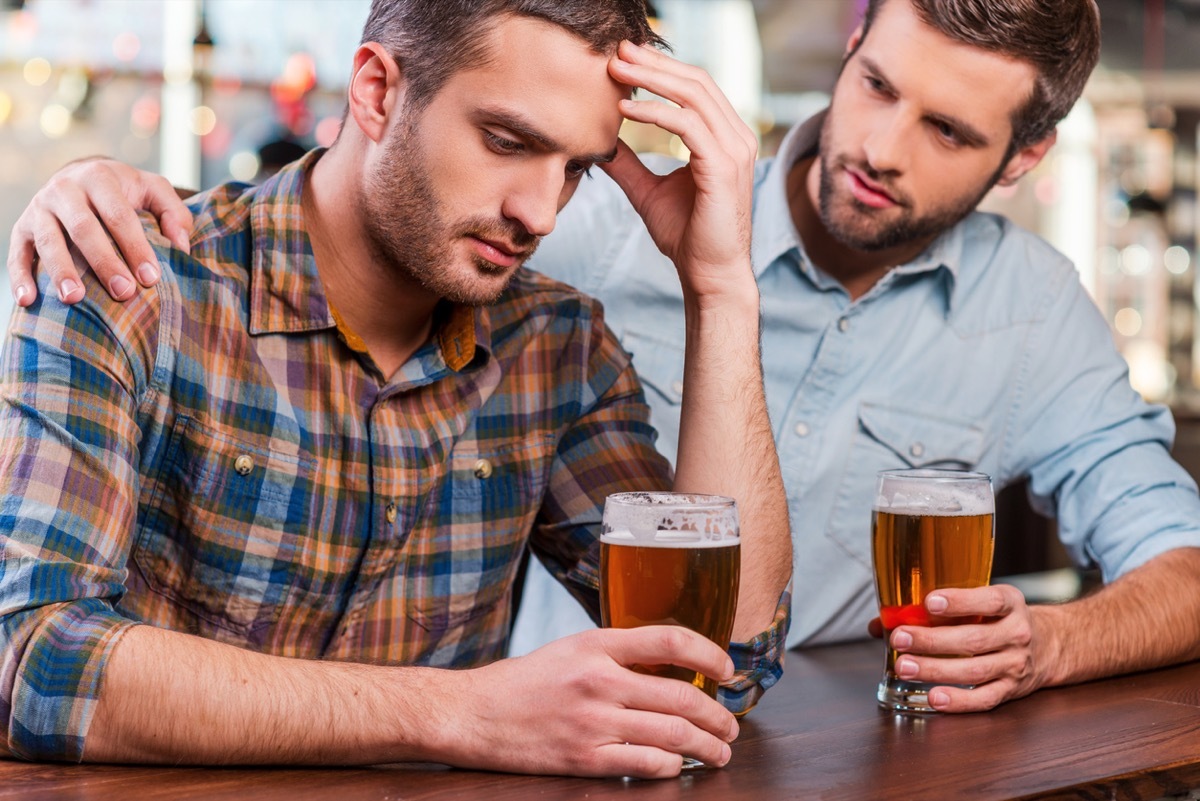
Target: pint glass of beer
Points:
(671, 559)
(931, 529)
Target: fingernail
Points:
(182, 242)
(22, 291)
(939, 699)
(66, 289)
(906, 668)
(901, 639)
(726, 754)
(936, 603)
(119, 286)
(147, 274)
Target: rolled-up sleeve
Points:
(69, 394)
(1103, 465)
(757, 663)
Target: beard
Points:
(861, 227)
(408, 233)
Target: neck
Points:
(856, 270)
(392, 316)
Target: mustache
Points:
(881, 179)
(505, 231)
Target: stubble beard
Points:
(408, 233)
(860, 227)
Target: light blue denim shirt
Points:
(985, 352)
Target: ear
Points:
(376, 90)
(1026, 159)
(855, 41)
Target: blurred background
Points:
(208, 90)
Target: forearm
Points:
(174, 698)
(1148, 618)
(726, 446)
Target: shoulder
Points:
(1007, 266)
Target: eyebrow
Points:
(971, 136)
(523, 127)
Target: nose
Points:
(534, 198)
(886, 145)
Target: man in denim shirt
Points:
(901, 328)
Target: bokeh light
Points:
(37, 71)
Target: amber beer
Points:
(677, 578)
(930, 530)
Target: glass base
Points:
(898, 695)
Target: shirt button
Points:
(801, 429)
(677, 387)
(483, 469)
(917, 449)
(390, 513)
(844, 325)
(243, 465)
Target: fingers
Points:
(673, 735)
(89, 220)
(634, 178)
(667, 645)
(875, 628)
(673, 697)
(37, 231)
(997, 600)
(690, 87)
(174, 219)
(637, 761)
(20, 268)
(956, 700)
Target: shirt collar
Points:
(286, 293)
(775, 234)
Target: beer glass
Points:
(931, 529)
(671, 559)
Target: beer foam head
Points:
(669, 520)
(669, 539)
(935, 492)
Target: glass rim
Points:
(935, 474)
(678, 500)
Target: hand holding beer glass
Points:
(671, 559)
(931, 530)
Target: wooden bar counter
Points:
(818, 735)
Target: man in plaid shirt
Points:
(252, 515)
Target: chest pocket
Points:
(893, 438)
(463, 554)
(221, 530)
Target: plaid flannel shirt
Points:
(219, 456)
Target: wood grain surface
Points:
(818, 735)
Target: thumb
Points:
(634, 178)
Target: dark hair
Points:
(434, 39)
(1060, 38)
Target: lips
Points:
(868, 192)
(497, 252)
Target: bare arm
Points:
(1147, 618)
(571, 707)
(699, 216)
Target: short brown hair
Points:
(1060, 38)
(434, 39)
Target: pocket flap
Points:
(923, 439)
